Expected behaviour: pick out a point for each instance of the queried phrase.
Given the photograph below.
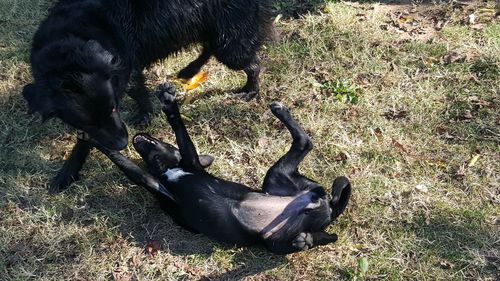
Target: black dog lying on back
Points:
(288, 215)
(88, 53)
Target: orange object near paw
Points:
(195, 81)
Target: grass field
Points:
(402, 99)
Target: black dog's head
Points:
(76, 82)
(160, 156)
(316, 214)
(317, 211)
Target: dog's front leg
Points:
(251, 88)
(139, 93)
(166, 94)
(303, 241)
(135, 173)
(306, 240)
(71, 168)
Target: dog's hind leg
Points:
(251, 88)
(341, 193)
(283, 178)
(245, 61)
(138, 91)
(71, 168)
(166, 94)
(195, 66)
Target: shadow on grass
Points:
(140, 220)
(27, 167)
(297, 8)
(453, 240)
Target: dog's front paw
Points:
(303, 241)
(141, 120)
(166, 93)
(62, 181)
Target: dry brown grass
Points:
(427, 105)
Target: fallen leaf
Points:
(478, 26)
(394, 113)
(443, 131)
(473, 161)
(342, 157)
(446, 264)
(452, 57)
(378, 134)
(66, 155)
(440, 24)
(195, 81)
(422, 188)
(430, 61)
(153, 247)
(121, 274)
(328, 9)
(262, 142)
(472, 18)
(475, 100)
(460, 173)
(399, 145)
(467, 115)
(407, 19)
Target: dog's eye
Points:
(157, 158)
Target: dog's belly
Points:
(206, 206)
(266, 214)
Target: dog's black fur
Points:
(88, 53)
(288, 215)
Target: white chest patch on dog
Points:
(175, 174)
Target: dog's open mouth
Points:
(143, 138)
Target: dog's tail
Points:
(341, 192)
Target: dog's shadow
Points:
(27, 148)
(145, 224)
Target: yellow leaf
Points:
(195, 81)
(430, 61)
(474, 160)
(407, 19)
(327, 9)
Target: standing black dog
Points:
(288, 215)
(88, 53)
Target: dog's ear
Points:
(95, 49)
(206, 160)
(341, 192)
(38, 101)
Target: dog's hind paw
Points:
(247, 96)
(303, 241)
(278, 108)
